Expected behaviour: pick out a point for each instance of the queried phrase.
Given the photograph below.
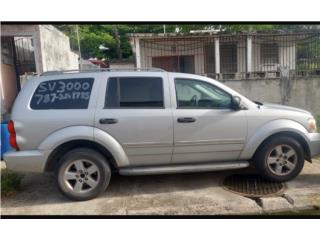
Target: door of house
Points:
(25, 59)
(210, 65)
(184, 64)
(228, 58)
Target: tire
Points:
(276, 166)
(82, 174)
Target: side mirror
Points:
(236, 103)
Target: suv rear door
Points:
(135, 109)
(205, 127)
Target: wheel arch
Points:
(83, 136)
(295, 136)
(283, 127)
(60, 150)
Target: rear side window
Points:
(134, 92)
(63, 94)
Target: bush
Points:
(318, 122)
(10, 182)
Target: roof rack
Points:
(49, 73)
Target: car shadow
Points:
(40, 189)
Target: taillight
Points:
(12, 139)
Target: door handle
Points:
(108, 121)
(186, 120)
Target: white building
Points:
(27, 50)
(223, 56)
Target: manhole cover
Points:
(252, 186)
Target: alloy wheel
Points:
(81, 176)
(282, 160)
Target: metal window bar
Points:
(300, 52)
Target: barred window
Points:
(269, 53)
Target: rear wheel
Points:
(280, 159)
(82, 174)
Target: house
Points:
(27, 50)
(229, 56)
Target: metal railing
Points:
(234, 56)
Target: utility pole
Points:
(79, 48)
(116, 36)
(164, 28)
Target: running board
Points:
(206, 167)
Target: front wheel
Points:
(280, 159)
(82, 174)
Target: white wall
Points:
(55, 50)
(52, 47)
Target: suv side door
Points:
(206, 129)
(134, 108)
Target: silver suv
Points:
(85, 125)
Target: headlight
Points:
(312, 125)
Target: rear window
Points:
(134, 92)
(63, 94)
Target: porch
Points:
(233, 56)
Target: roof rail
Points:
(49, 73)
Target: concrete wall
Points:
(55, 49)
(51, 50)
(52, 47)
(303, 93)
(8, 87)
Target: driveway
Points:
(198, 193)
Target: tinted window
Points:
(199, 94)
(63, 94)
(134, 92)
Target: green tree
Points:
(91, 37)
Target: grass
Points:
(10, 182)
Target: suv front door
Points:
(135, 111)
(206, 129)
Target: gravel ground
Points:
(197, 193)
